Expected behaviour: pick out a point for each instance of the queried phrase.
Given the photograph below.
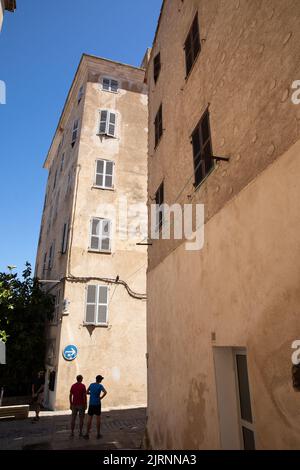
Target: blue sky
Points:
(40, 48)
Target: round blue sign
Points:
(70, 352)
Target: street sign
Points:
(70, 352)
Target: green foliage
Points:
(24, 311)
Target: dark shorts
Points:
(94, 410)
(78, 410)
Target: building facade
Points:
(96, 272)
(9, 5)
(222, 320)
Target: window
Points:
(192, 45)
(158, 124)
(62, 162)
(159, 200)
(246, 420)
(96, 305)
(56, 307)
(108, 84)
(50, 259)
(75, 132)
(55, 179)
(107, 123)
(64, 244)
(56, 204)
(80, 94)
(104, 174)
(202, 149)
(45, 263)
(157, 67)
(100, 235)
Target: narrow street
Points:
(121, 429)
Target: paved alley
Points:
(121, 429)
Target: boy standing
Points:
(95, 390)
(78, 403)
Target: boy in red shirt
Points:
(78, 403)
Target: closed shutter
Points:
(91, 304)
(96, 223)
(97, 305)
(105, 239)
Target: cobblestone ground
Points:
(121, 429)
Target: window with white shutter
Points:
(100, 239)
(64, 244)
(75, 132)
(51, 255)
(104, 174)
(109, 84)
(80, 93)
(108, 121)
(96, 312)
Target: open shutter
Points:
(65, 238)
(111, 128)
(103, 122)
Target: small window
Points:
(64, 244)
(45, 263)
(192, 45)
(158, 124)
(202, 149)
(107, 123)
(100, 235)
(75, 132)
(57, 204)
(157, 67)
(108, 84)
(80, 93)
(55, 179)
(159, 200)
(50, 259)
(96, 305)
(104, 174)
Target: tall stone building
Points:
(9, 5)
(222, 320)
(98, 157)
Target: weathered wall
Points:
(249, 59)
(244, 286)
(117, 351)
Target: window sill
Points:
(96, 325)
(110, 91)
(107, 135)
(101, 252)
(103, 188)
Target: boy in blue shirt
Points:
(95, 390)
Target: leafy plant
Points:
(24, 310)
